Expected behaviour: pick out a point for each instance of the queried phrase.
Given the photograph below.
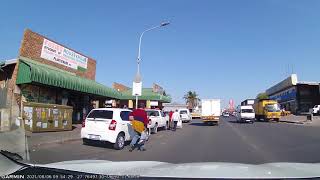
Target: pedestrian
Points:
(139, 121)
(170, 119)
(175, 119)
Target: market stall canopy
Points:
(147, 94)
(31, 71)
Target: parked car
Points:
(225, 114)
(185, 115)
(245, 114)
(157, 119)
(316, 109)
(108, 125)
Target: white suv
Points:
(107, 124)
(185, 115)
(157, 119)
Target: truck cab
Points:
(267, 110)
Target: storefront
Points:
(45, 76)
(294, 96)
(152, 97)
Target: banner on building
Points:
(61, 55)
(157, 89)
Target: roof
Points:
(308, 83)
(31, 71)
(7, 62)
(147, 94)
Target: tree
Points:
(192, 99)
(262, 96)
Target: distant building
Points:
(173, 106)
(295, 96)
(152, 97)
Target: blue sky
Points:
(220, 49)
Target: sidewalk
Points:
(294, 119)
(37, 139)
(301, 119)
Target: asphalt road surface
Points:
(256, 143)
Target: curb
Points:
(56, 142)
(293, 122)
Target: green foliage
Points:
(191, 98)
(262, 96)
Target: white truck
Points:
(211, 111)
(156, 120)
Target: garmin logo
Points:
(12, 177)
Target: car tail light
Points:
(84, 123)
(113, 125)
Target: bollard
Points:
(310, 117)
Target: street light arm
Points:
(140, 40)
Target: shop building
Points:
(152, 97)
(295, 96)
(48, 73)
(50, 86)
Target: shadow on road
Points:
(200, 124)
(102, 144)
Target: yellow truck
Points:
(267, 110)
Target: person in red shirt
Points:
(139, 120)
(170, 119)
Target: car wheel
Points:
(155, 129)
(119, 142)
(85, 141)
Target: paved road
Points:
(229, 142)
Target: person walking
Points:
(170, 119)
(139, 122)
(175, 119)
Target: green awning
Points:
(147, 94)
(31, 71)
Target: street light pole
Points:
(137, 78)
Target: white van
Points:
(185, 115)
(245, 114)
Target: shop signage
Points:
(154, 103)
(287, 95)
(290, 81)
(61, 55)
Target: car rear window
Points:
(152, 113)
(103, 114)
(125, 115)
(183, 112)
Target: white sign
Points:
(154, 103)
(136, 89)
(61, 55)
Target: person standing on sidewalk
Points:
(139, 121)
(175, 119)
(170, 119)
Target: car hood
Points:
(191, 170)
